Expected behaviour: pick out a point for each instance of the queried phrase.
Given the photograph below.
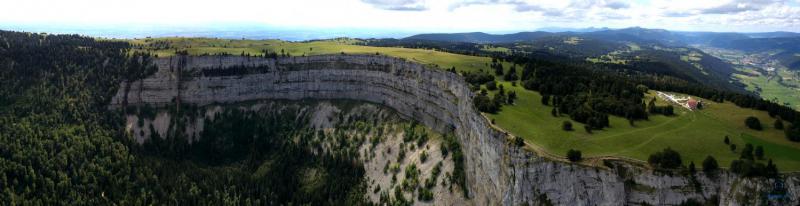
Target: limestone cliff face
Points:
(497, 172)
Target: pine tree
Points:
(710, 165)
(574, 155)
(771, 170)
(747, 152)
(512, 96)
(546, 99)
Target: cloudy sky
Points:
(496, 16)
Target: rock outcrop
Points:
(498, 172)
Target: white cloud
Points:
(399, 5)
(417, 15)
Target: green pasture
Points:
(695, 134)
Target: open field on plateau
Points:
(198, 46)
(694, 134)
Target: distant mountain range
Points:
(578, 30)
(634, 34)
(785, 46)
(480, 37)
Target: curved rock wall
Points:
(497, 172)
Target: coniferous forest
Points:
(59, 146)
(62, 145)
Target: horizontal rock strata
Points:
(497, 172)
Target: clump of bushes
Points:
(478, 78)
(459, 177)
(519, 141)
(747, 165)
(574, 155)
(487, 104)
(566, 125)
(753, 123)
(665, 159)
(750, 168)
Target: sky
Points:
(392, 17)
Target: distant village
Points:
(685, 101)
(759, 61)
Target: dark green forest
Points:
(254, 157)
(61, 144)
(58, 144)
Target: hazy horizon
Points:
(254, 31)
(314, 19)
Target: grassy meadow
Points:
(694, 134)
(197, 46)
